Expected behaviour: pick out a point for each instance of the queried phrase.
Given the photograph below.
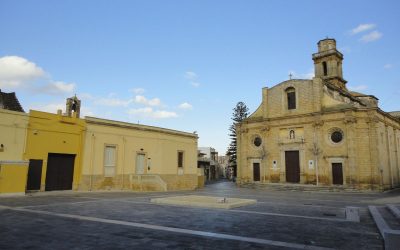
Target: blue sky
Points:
(185, 64)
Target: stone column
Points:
(376, 177)
(351, 168)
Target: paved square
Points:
(116, 220)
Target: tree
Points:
(240, 112)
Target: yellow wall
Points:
(160, 147)
(52, 133)
(13, 177)
(12, 134)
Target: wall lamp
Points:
(2, 148)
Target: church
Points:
(318, 132)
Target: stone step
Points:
(388, 226)
(394, 209)
(298, 187)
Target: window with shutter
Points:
(180, 159)
(109, 160)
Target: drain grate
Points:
(329, 214)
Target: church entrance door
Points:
(337, 174)
(292, 166)
(256, 171)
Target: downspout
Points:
(123, 161)
(91, 162)
(316, 156)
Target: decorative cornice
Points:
(350, 119)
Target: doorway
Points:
(337, 174)
(292, 166)
(34, 175)
(256, 171)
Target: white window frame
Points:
(110, 168)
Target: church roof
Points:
(358, 94)
(395, 114)
(10, 101)
(344, 93)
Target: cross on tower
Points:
(290, 76)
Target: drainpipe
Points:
(123, 161)
(315, 156)
(91, 163)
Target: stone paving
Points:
(116, 220)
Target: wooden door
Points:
(256, 171)
(140, 164)
(60, 171)
(34, 174)
(337, 174)
(292, 166)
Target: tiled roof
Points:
(9, 101)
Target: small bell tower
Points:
(73, 106)
(328, 63)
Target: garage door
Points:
(60, 171)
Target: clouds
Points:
(149, 112)
(149, 102)
(185, 106)
(362, 27)
(369, 37)
(19, 73)
(136, 107)
(15, 71)
(112, 102)
(193, 78)
(308, 75)
(388, 66)
(56, 88)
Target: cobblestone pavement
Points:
(114, 220)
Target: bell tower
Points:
(328, 63)
(73, 106)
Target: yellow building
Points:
(54, 150)
(318, 132)
(119, 155)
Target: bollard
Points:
(352, 214)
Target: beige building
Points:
(318, 132)
(119, 155)
(13, 126)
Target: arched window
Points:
(291, 98)
(325, 68)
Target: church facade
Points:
(320, 133)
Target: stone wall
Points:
(368, 152)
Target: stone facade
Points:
(318, 132)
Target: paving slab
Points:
(204, 201)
